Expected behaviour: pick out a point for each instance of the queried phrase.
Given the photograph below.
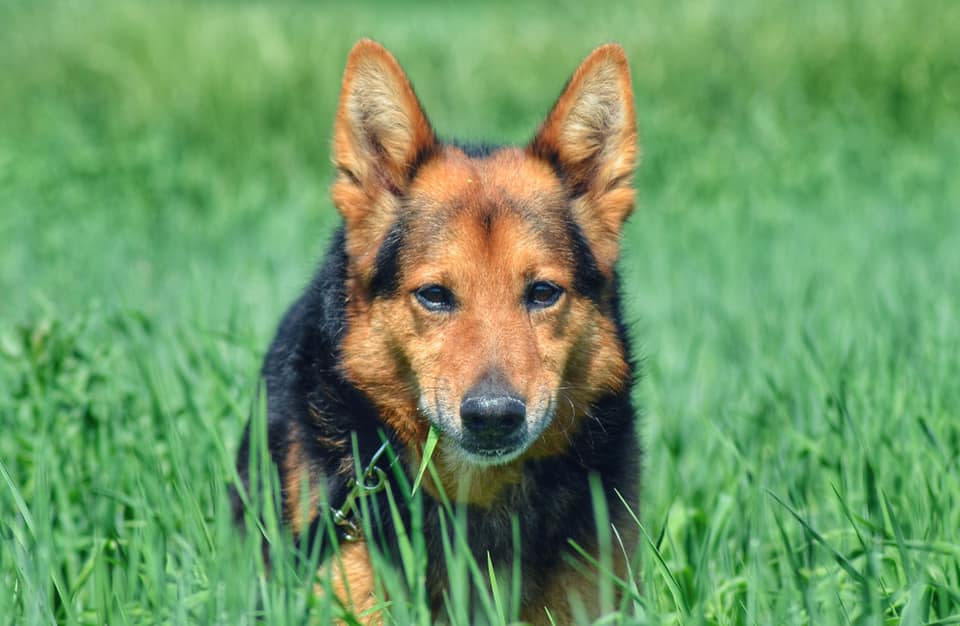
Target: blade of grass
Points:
(840, 559)
(679, 600)
(433, 436)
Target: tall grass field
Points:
(791, 277)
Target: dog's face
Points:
(480, 280)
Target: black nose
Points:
(491, 417)
(491, 410)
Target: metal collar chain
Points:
(373, 480)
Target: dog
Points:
(471, 292)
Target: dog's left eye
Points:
(542, 294)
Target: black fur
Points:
(422, 157)
(386, 270)
(587, 278)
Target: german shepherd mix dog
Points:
(472, 291)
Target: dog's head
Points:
(481, 280)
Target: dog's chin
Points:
(483, 456)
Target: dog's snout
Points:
(491, 410)
(492, 417)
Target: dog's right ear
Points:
(380, 135)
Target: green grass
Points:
(791, 273)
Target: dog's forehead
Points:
(453, 183)
(501, 214)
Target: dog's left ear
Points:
(590, 137)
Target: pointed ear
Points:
(380, 134)
(590, 137)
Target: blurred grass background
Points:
(791, 274)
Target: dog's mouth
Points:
(496, 440)
(482, 452)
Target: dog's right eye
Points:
(435, 298)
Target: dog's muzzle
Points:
(493, 416)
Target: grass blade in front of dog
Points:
(432, 437)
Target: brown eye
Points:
(542, 294)
(435, 298)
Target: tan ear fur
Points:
(380, 134)
(590, 135)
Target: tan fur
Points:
(352, 580)
(297, 478)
